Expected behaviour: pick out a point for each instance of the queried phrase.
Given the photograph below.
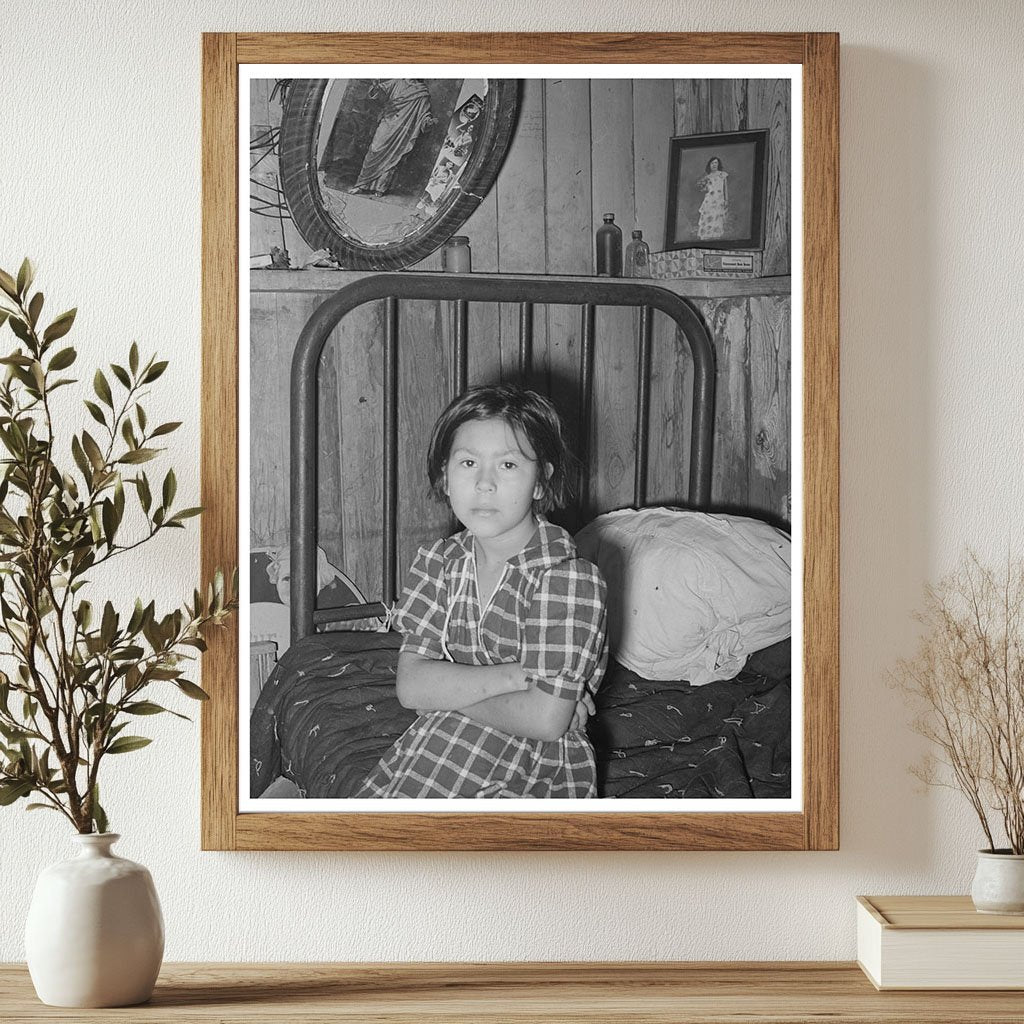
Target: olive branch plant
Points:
(967, 682)
(79, 674)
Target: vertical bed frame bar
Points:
(525, 340)
(461, 360)
(643, 408)
(462, 289)
(587, 321)
(390, 560)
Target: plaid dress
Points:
(548, 614)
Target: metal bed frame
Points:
(462, 289)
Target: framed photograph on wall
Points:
(716, 191)
(701, 416)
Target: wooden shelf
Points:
(316, 280)
(651, 993)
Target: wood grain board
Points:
(524, 993)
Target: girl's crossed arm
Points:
(428, 685)
(531, 713)
(563, 655)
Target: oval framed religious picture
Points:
(382, 171)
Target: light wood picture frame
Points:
(815, 825)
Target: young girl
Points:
(503, 623)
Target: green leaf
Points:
(60, 326)
(128, 433)
(108, 626)
(26, 274)
(185, 513)
(63, 359)
(139, 455)
(99, 817)
(83, 613)
(191, 690)
(170, 488)
(154, 371)
(143, 707)
(92, 449)
(119, 498)
(138, 614)
(145, 497)
(102, 388)
(140, 415)
(133, 358)
(169, 674)
(35, 308)
(95, 412)
(14, 790)
(121, 374)
(80, 459)
(165, 428)
(20, 328)
(41, 807)
(125, 744)
(7, 283)
(12, 733)
(109, 517)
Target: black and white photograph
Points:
(716, 191)
(517, 471)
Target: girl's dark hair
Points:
(531, 417)
(721, 166)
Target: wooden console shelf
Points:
(633, 993)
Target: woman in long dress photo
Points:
(715, 207)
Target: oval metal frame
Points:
(300, 125)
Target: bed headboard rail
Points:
(462, 289)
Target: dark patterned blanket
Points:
(328, 712)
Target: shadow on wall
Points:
(888, 291)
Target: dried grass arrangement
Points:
(967, 680)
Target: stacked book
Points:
(907, 942)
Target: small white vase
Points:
(999, 882)
(95, 934)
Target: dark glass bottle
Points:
(609, 248)
(638, 257)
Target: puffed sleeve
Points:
(564, 648)
(420, 611)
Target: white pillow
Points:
(690, 595)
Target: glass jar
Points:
(457, 257)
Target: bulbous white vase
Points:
(95, 933)
(999, 883)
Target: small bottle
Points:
(609, 248)
(457, 257)
(638, 257)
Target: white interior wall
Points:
(100, 184)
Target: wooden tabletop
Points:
(640, 993)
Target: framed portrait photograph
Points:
(716, 191)
(530, 558)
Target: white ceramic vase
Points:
(95, 934)
(999, 883)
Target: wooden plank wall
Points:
(751, 335)
(581, 149)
